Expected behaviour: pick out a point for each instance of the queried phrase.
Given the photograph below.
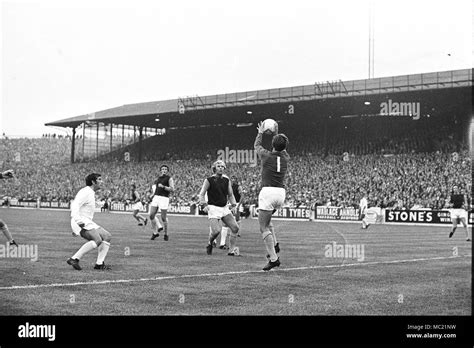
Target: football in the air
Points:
(270, 126)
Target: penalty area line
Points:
(202, 275)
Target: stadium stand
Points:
(400, 167)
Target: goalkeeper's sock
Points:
(269, 245)
(272, 230)
(90, 245)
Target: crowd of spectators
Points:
(409, 169)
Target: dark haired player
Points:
(458, 214)
(82, 213)
(164, 185)
(219, 192)
(274, 165)
(137, 205)
(7, 174)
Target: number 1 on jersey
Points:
(278, 164)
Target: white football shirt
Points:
(83, 206)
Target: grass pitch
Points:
(405, 270)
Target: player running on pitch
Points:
(274, 165)
(363, 207)
(458, 214)
(219, 192)
(137, 205)
(7, 174)
(164, 186)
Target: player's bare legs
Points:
(103, 248)
(138, 217)
(237, 219)
(210, 234)
(154, 222)
(464, 223)
(215, 230)
(6, 232)
(264, 218)
(153, 211)
(229, 220)
(224, 233)
(164, 220)
(272, 230)
(454, 226)
(7, 174)
(97, 238)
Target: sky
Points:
(61, 59)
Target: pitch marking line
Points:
(101, 282)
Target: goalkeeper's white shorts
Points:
(271, 198)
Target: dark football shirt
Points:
(457, 201)
(134, 196)
(273, 164)
(160, 191)
(218, 190)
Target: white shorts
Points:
(137, 206)
(90, 225)
(271, 198)
(216, 212)
(161, 202)
(458, 213)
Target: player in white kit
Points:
(82, 213)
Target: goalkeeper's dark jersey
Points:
(273, 164)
